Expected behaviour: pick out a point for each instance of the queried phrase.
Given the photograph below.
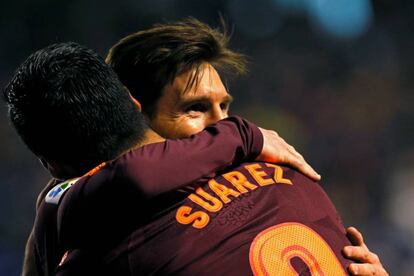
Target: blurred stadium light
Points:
(341, 18)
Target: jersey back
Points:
(255, 219)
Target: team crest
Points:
(53, 196)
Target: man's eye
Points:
(224, 106)
(197, 107)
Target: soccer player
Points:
(172, 122)
(159, 67)
(61, 102)
(126, 216)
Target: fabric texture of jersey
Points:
(150, 171)
(256, 218)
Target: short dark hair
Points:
(69, 106)
(148, 60)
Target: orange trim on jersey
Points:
(95, 170)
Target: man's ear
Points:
(135, 101)
(57, 170)
(50, 166)
(44, 163)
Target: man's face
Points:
(181, 113)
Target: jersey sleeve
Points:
(127, 183)
(173, 164)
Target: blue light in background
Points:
(341, 18)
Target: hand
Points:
(369, 262)
(276, 150)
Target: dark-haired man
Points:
(61, 102)
(159, 67)
(126, 216)
(188, 113)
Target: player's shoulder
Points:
(55, 190)
(41, 196)
(54, 195)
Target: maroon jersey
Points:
(256, 218)
(132, 180)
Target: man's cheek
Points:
(192, 126)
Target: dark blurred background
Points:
(333, 77)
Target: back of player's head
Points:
(148, 60)
(69, 106)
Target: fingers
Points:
(366, 270)
(369, 262)
(296, 160)
(276, 150)
(354, 236)
(360, 254)
(359, 251)
(307, 170)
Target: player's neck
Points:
(150, 137)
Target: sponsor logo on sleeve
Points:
(54, 195)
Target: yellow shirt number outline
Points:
(273, 248)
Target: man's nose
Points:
(216, 114)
